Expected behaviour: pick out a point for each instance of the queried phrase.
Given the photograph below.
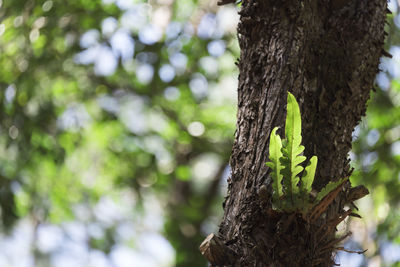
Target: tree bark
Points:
(326, 53)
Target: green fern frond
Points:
(307, 178)
(290, 193)
(292, 159)
(329, 188)
(275, 146)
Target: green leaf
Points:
(308, 177)
(291, 152)
(275, 146)
(329, 188)
(183, 172)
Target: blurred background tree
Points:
(116, 125)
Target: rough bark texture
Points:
(326, 53)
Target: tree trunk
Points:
(326, 52)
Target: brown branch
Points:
(225, 2)
(328, 246)
(351, 251)
(325, 202)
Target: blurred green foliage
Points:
(87, 112)
(376, 152)
(129, 99)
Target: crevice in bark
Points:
(326, 53)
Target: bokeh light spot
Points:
(196, 128)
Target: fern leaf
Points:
(328, 188)
(291, 152)
(308, 176)
(275, 146)
(306, 182)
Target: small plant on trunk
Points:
(292, 183)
